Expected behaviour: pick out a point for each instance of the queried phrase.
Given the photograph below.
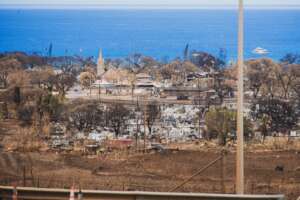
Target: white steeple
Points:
(100, 65)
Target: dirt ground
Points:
(155, 171)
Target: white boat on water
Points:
(260, 51)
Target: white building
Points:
(144, 84)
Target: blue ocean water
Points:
(157, 33)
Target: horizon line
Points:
(139, 6)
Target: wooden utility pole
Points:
(90, 87)
(24, 176)
(99, 92)
(145, 120)
(223, 172)
(240, 102)
(138, 118)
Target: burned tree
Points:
(7, 66)
(63, 82)
(221, 123)
(262, 78)
(25, 114)
(86, 116)
(151, 113)
(206, 60)
(203, 103)
(222, 89)
(43, 77)
(276, 115)
(47, 108)
(291, 58)
(117, 116)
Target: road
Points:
(63, 194)
(128, 100)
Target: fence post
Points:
(252, 187)
(223, 171)
(72, 193)
(15, 193)
(24, 176)
(80, 194)
(38, 181)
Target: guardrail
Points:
(28, 193)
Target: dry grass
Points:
(161, 172)
(126, 170)
(24, 140)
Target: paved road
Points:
(63, 194)
(136, 100)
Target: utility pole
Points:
(138, 118)
(240, 102)
(145, 120)
(90, 86)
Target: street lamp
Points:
(240, 101)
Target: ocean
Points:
(159, 33)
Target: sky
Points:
(152, 2)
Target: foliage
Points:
(51, 105)
(4, 111)
(275, 114)
(177, 71)
(25, 114)
(152, 113)
(29, 61)
(37, 105)
(116, 75)
(288, 77)
(86, 79)
(267, 78)
(18, 78)
(203, 103)
(117, 116)
(86, 116)
(7, 66)
(291, 58)
(206, 60)
(261, 75)
(17, 95)
(43, 77)
(63, 82)
(222, 88)
(222, 122)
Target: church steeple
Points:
(100, 64)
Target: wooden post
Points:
(80, 195)
(38, 182)
(240, 102)
(24, 176)
(90, 87)
(15, 193)
(99, 92)
(137, 125)
(72, 193)
(145, 118)
(223, 171)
